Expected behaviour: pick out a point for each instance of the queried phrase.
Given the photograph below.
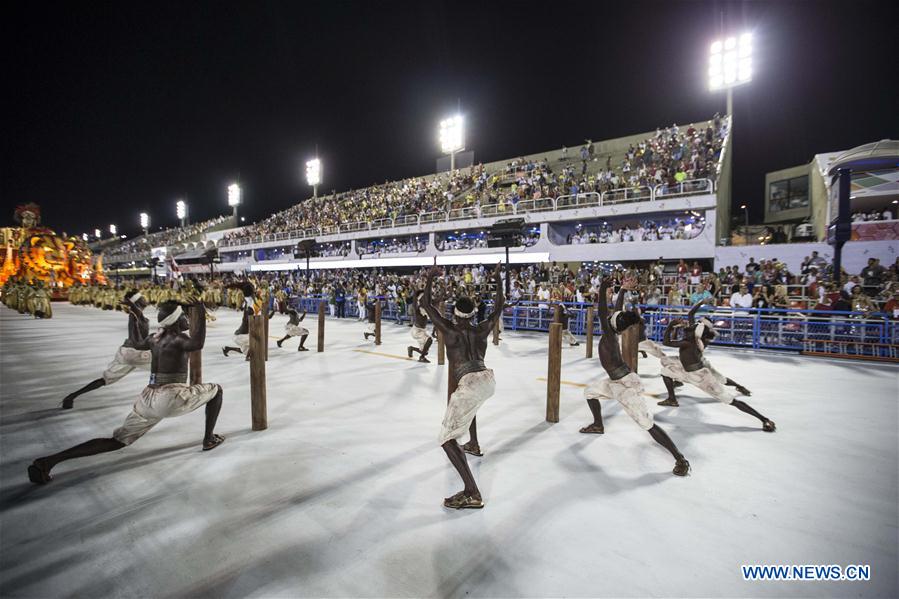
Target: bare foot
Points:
(768, 426)
(681, 467)
(473, 449)
(38, 473)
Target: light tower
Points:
(730, 65)
(181, 212)
(113, 230)
(314, 174)
(145, 222)
(234, 198)
(452, 138)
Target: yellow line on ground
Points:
(377, 353)
(543, 378)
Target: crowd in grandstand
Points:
(167, 237)
(392, 246)
(872, 215)
(671, 156)
(645, 231)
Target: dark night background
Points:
(112, 109)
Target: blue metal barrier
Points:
(853, 333)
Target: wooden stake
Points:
(195, 358)
(554, 373)
(377, 322)
(589, 331)
(630, 339)
(557, 313)
(321, 326)
(441, 349)
(265, 320)
(257, 372)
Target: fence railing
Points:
(846, 333)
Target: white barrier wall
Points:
(855, 254)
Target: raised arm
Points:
(667, 339)
(302, 316)
(499, 301)
(138, 341)
(442, 324)
(691, 315)
(197, 338)
(603, 304)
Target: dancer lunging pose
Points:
(167, 395)
(242, 334)
(127, 358)
(466, 344)
(294, 329)
(419, 329)
(691, 366)
(622, 384)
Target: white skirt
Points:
(474, 389)
(628, 391)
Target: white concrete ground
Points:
(341, 496)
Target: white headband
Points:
(135, 296)
(463, 314)
(248, 301)
(171, 318)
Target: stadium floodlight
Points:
(181, 211)
(113, 230)
(97, 233)
(234, 197)
(144, 222)
(452, 137)
(730, 64)
(314, 174)
(84, 236)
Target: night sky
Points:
(110, 109)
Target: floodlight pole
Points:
(315, 191)
(452, 161)
(730, 102)
(508, 276)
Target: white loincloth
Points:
(370, 327)
(243, 342)
(295, 330)
(474, 389)
(707, 378)
(652, 348)
(568, 338)
(126, 359)
(421, 336)
(628, 391)
(162, 401)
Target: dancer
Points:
(419, 329)
(692, 367)
(649, 347)
(242, 334)
(369, 318)
(128, 357)
(466, 344)
(564, 317)
(622, 384)
(293, 328)
(167, 395)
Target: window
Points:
(788, 194)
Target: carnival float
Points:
(31, 252)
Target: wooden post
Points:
(496, 330)
(257, 373)
(265, 320)
(377, 322)
(321, 326)
(630, 339)
(589, 330)
(441, 349)
(554, 374)
(557, 313)
(195, 358)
